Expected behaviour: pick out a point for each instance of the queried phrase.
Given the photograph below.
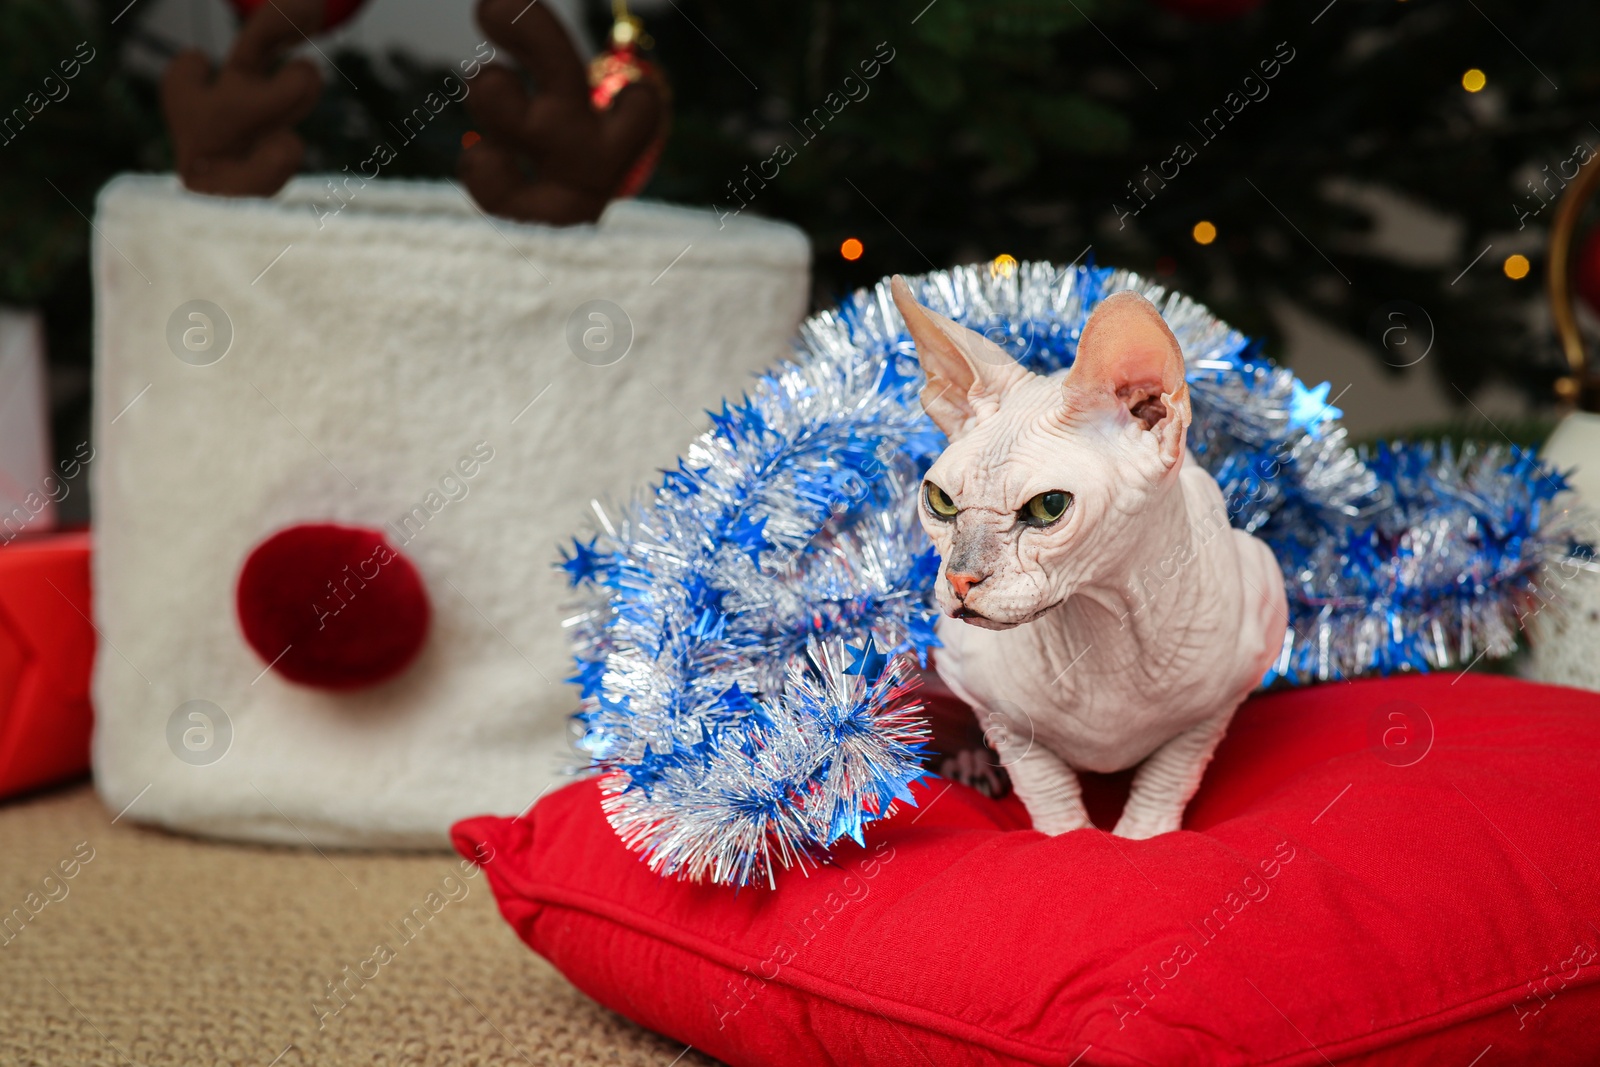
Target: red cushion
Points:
(1334, 899)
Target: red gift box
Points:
(46, 652)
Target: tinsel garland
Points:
(749, 633)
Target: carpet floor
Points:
(161, 949)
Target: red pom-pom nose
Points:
(332, 606)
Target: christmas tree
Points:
(1231, 153)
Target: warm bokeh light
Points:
(1516, 267)
(852, 249)
(470, 138)
(1004, 265)
(1205, 232)
(1473, 80)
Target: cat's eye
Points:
(1045, 508)
(939, 502)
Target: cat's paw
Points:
(1142, 827)
(1058, 823)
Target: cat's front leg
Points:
(1167, 779)
(1047, 787)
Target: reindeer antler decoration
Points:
(560, 155)
(233, 129)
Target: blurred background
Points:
(1366, 187)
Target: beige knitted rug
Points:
(161, 949)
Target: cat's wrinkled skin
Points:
(1128, 630)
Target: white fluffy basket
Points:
(370, 350)
(1565, 627)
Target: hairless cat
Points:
(1097, 607)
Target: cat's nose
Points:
(962, 582)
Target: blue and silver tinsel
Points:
(734, 626)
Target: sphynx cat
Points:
(1097, 609)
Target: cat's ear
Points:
(966, 371)
(1128, 360)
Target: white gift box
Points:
(266, 363)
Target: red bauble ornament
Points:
(1210, 10)
(332, 606)
(1586, 270)
(334, 12)
(612, 71)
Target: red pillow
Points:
(1379, 872)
